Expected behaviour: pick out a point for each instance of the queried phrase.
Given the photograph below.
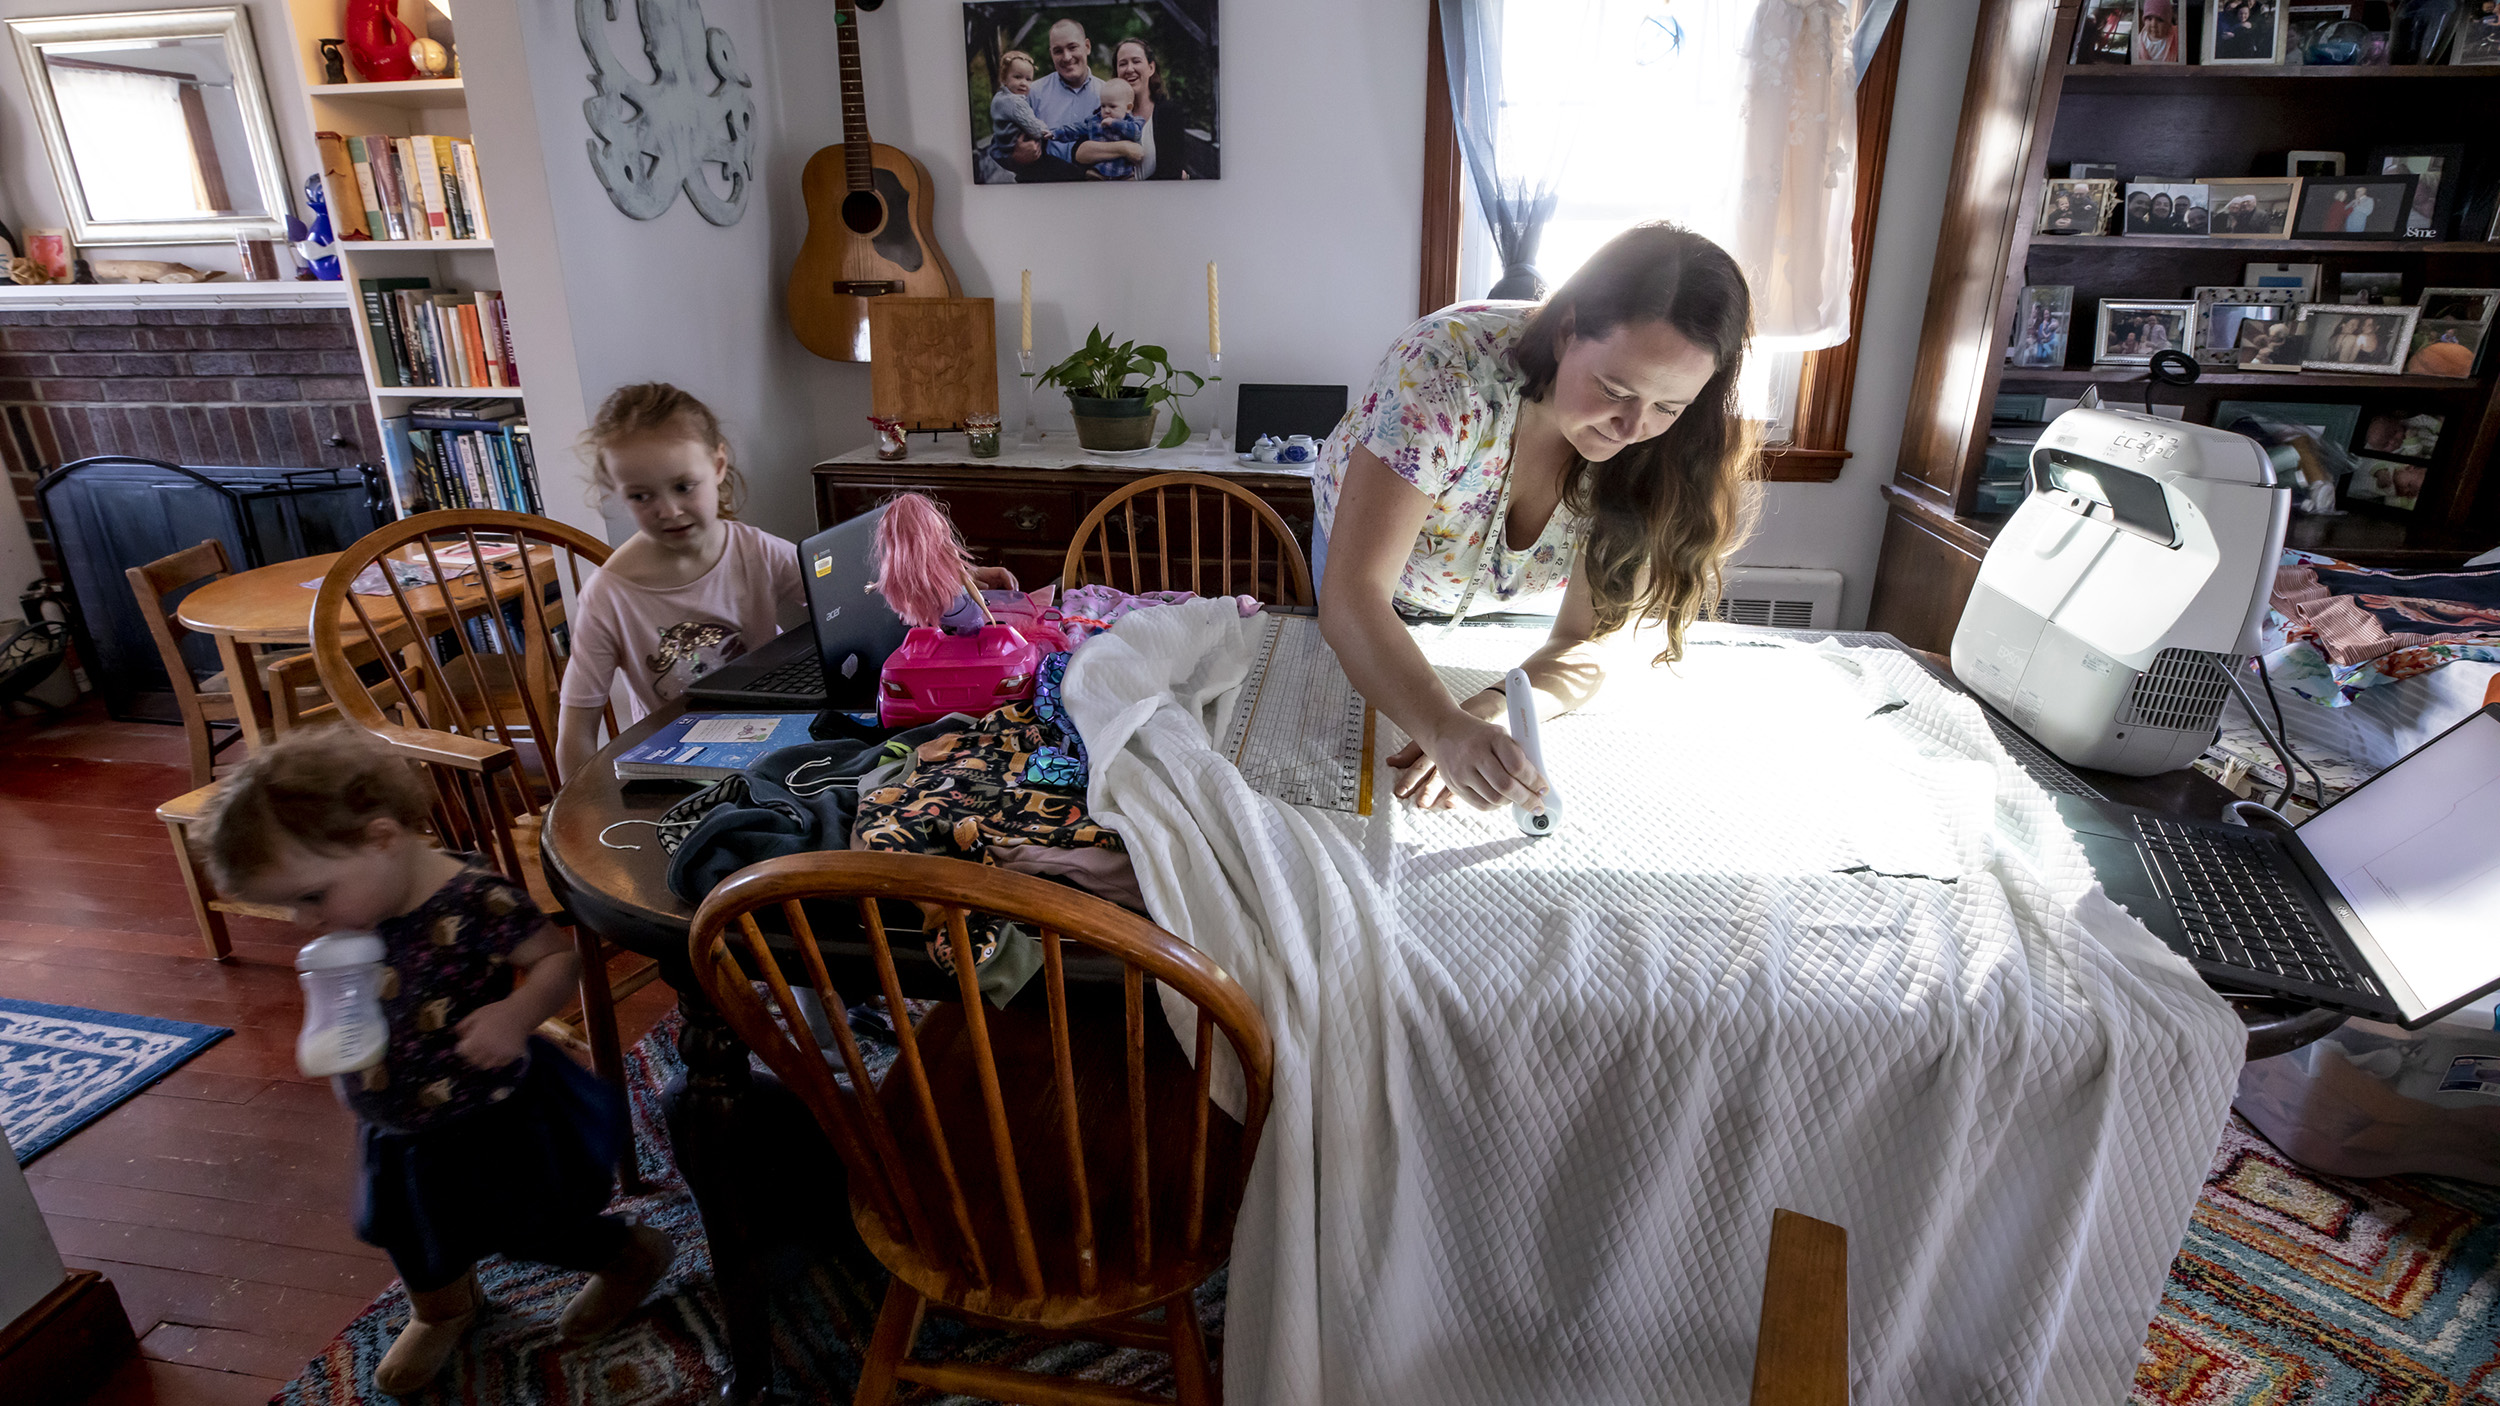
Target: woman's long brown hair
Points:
(1666, 511)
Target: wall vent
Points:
(1785, 597)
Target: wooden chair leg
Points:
(897, 1324)
(212, 923)
(599, 1032)
(1193, 1382)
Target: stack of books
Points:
(425, 336)
(406, 188)
(461, 454)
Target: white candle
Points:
(1027, 343)
(1215, 323)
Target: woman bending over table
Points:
(1590, 442)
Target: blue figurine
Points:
(313, 245)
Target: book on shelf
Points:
(461, 454)
(426, 336)
(417, 188)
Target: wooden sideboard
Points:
(1020, 509)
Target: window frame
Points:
(1827, 383)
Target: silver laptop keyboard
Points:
(2238, 911)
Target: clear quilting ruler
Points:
(1299, 731)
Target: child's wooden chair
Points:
(1259, 558)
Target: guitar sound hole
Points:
(862, 212)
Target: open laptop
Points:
(852, 631)
(2385, 904)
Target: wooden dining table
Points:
(252, 612)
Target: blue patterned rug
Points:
(62, 1068)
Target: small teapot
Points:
(345, 1029)
(1267, 450)
(1300, 449)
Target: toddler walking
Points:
(478, 1137)
(691, 590)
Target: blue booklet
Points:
(709, 746)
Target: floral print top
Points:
(1440, 412)
(445, 960)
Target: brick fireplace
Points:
(192, 382)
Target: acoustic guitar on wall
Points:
(868, 230)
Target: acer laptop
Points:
(851, 632)
(2385, 905)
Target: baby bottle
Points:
(344, 1027)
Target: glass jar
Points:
(345, 1029)
(893, 442)
(981, 435)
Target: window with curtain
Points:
(133, 144)
(1650, 104)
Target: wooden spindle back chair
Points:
(463, 677)
(1189, 532)
(210, 720)
(1055, 1167)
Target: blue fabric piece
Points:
(1062, 763)
(63, 1067)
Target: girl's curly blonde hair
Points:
(656, 408)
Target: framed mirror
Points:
(157, 125)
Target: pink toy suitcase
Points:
(936, 673)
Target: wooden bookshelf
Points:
(2026, 113)
(430, 106)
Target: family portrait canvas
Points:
(1074, 93)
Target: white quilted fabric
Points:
(1807, 939)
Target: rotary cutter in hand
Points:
(1521, 697)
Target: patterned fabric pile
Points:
(2346, 628)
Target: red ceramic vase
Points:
(378, 41)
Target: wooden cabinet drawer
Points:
(1000, 518)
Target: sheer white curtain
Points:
(1734, 118)
(132, 144)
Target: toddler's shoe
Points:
(618, 1289)
(437, 1320)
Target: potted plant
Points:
(1113, 389)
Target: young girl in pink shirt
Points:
(691, 590)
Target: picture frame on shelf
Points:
(2310, 165)
(2128, 332)
(2076, 207)
(2436, 168)
(2478, 38)
(2302, 21)
(2091, 170)
(2370, 287)
(2271, 346)
(2251, 207)
(2245, 32)
(2220, 311)
(2160, 36)
(2106, 33)
(2386, 482)
(2368, 207)
(2171, 208)
(2455, 327)
(2301, 276)
(2043, 316)
(2358, 340)
(2334, 423)
(2412, 438)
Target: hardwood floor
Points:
(218, 1200)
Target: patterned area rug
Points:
(825, 1295)
(2292, 1288)
(62, 1068)
(2297, 1287)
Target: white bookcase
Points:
(438, 107)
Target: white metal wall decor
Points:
(651, 139)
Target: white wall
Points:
(1841, 524)
(1314, 225)
(31, 199)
